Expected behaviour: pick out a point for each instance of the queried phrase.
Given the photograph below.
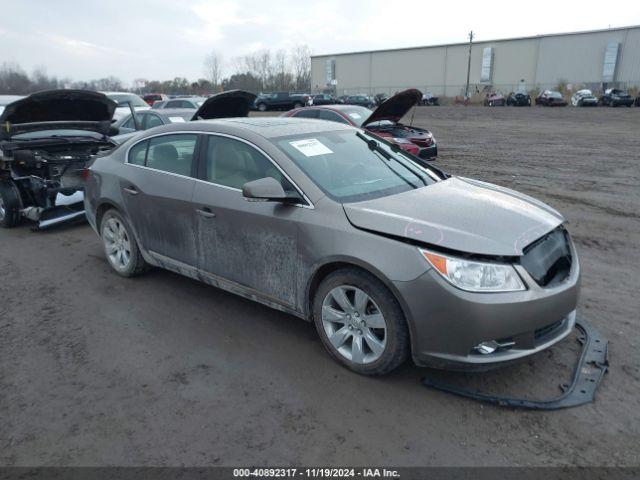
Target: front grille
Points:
(548, 260)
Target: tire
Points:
(10, 204)
(297, 105)
(379, 349)
(262, 107)
(117, 236)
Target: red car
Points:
(384, 121)
(494, 99)
(151, 98)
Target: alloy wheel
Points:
(117, 243)
(354, 324)
(3, 211)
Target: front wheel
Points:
(297, 105)
(262, 107)
(120, 245)
(360, 322)
(9, 204)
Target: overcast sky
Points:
(162, 39)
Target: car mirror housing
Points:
(266, 189)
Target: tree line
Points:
(262, 71)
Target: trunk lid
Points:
(459, 214)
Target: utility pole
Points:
(466, 91)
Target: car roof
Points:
(267, 127)
(173, 111)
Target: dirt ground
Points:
(162, 370)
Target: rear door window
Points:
(172, 153)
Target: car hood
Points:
(58, 109)
(396, 107)
(230, 104)
(459, 214)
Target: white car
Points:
(123, 99)
(584, 98)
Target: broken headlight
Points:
(475, 276)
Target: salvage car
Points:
(494, 99)
(388, 257)
(281, 101)
(232, 103)
(7, 99)
(614, 97)
(550, 98)
(324, 99)
(519, 99)
(152, 98)
(429, 99)
(153, 118)
(46, 140)
(584, 98)
(126, 101)
(384, 121)
(361, 100)
(189, 102)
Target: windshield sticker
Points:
(355, 115)
(310, 147)
(176, 119)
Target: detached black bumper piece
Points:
(588, 374)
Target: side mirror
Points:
(266, 189)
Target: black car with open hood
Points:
(46, 140)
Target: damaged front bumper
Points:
(589, 371)
(63, 209)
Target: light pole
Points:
(466, 90)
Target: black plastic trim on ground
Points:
(590, 370)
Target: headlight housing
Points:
(475, 276)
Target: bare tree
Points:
(213, 65)
(301, 60)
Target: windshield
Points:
(344, 166)
(122, 99)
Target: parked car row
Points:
(551, 98)
(334, 222)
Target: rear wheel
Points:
(9, 204)
(120, 245)
(360, 322)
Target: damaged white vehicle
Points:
(46, 140)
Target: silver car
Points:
(388, 256)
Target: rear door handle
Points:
(130, 190)
(205, 212)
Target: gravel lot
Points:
(162, 370)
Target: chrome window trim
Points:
(309, 205)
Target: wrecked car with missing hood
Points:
(46, 140)
(390, 257)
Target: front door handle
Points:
(205, 212)
(130, 190)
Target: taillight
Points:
(85, 173)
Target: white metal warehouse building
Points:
(582, 59)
